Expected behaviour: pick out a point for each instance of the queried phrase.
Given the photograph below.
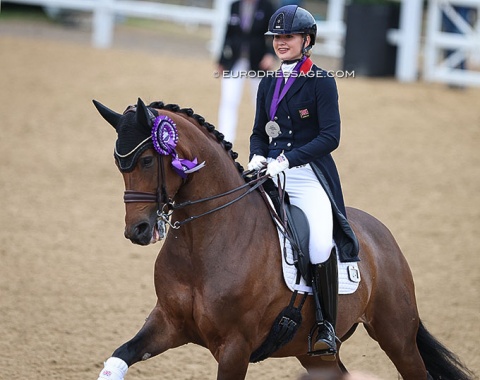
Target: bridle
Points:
(167, 205)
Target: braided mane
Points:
(200, 121)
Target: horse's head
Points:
(148, 178)
(155, 163)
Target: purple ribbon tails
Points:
(165, 138)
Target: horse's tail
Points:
(440, 362)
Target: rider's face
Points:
(289, 46)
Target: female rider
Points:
(297, 126)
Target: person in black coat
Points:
(297, 126)
(245, 49)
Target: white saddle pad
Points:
(348, 273)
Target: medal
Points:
(273, 129)
(304, 65)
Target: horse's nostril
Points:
(140, 233)
(142, 228)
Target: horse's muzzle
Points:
(142, 233)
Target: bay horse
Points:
(218, 275)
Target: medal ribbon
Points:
(303, 66)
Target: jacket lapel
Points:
(296, 86)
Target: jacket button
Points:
(275, 144)
(290, 132)
(288, 117)
(289, 144)
(275, 118)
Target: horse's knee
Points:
(155, 337)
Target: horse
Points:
(218, 276)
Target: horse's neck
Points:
(225, 248)
(226, 229)
(217, 177)
(231, 226)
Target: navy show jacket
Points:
(309, 121)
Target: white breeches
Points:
(231, 95)
(308, 194)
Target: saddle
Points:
(296, 227)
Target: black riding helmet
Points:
(292, 19)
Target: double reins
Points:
(166, 205)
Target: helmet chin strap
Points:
(305, 49)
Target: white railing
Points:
(464, 46)
(407, 38)
(330, 31)
(104, 12)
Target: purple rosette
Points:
(165, 138)
(164, 135)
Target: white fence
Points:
(104, 12)
(331, 31)
(464, 46)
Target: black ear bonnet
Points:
(133, 137)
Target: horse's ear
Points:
(144, 115)
(110, 116)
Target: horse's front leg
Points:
(233, 359)
(156, 336)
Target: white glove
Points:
(257, 162)
(277, 166)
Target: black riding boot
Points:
(325, 291)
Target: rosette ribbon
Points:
(165, 138)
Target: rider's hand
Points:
(257, 162)
(277, 166)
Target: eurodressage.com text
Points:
(277, 74)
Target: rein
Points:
(169, 206)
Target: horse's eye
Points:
(147, 162)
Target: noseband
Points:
(160, 197)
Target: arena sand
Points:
(72, 289)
